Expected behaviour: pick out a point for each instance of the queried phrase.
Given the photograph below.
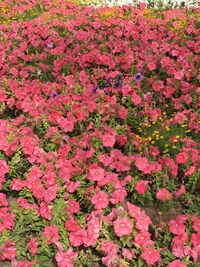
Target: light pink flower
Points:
(123, 226)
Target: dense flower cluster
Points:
(99, 136)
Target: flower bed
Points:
(99, 136)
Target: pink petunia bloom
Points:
(127, 254)
(66, 124)
(123, 226)
(4, 168)
(108, 140)
(195, 238)
(7, 219)
(100, 200)
(176, 227)
(181, 251)
(163, 195)
(109, 247)
(73, 205)
(96, 173)
(51, 233)
(67, 258)
(196, 223)
(143, 239)
(141, 186)
(33, 247)
(143, 221)
(77, 238)
(180, 191)
(72, 225)
(179, 240)
(8, 251)
(118, 195)
(3, 200)
(176, 263)
(136, 99)
(143, 165)
(181, 158)
(151, 256)
(180, 118)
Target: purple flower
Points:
(138, 77)
(94, 89)
(54, 94)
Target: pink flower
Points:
(143, 221)
(176, 227)
(123, 226)
(180, 118)
(45, 211)
(127, 254)
(109, 247)
(77, 238)
(66, 124)
(181, 158)
(3, 200)
(9, 251)
(196, 223)
(163, 195)
(134, 211)
(33, 247)
(141, 186)
(4, 168)
(51, 233)
(72, 225)
(181, 191)
(7, 219)
(151, 66)
(195, 238)
(181, 251)
(108, 140)
(100, 200)
(136, 99)
(67, 258)
(176, 263)
(143, 165)
(96, 173)
(151, 256)
(143, 239)
(73, 205)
